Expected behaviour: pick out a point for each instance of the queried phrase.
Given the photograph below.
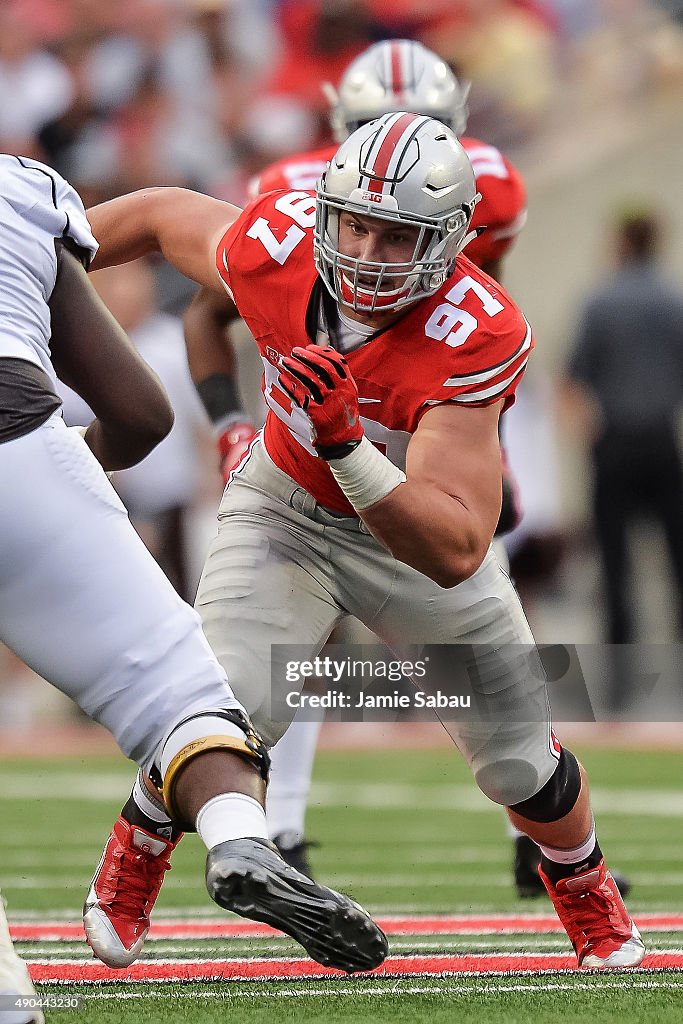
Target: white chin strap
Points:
(370, 292)
(467, 239)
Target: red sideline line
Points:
(56, 971)
(458, 924)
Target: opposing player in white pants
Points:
(84, 604)
(410, 346)
(15, 981)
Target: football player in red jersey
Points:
(376, 487)
(389, 76)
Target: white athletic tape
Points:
(366, 476)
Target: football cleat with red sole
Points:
(123, 892)
(594, 916)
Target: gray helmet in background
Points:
(396, 75)
(407, 169)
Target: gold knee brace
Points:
(250, 746)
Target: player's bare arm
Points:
(213, 366)
(441, 516)
(206, 322)
(92, 354)
(442, 519)
(184, 226)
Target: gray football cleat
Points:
(250, 878)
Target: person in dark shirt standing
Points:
(627, 361)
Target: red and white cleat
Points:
(123, 892)
(594, 916)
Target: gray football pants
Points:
(284, 570)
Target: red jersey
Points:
(468, 343)
(501, 210)
(300, 171)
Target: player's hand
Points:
(319, 381)
(233, 443)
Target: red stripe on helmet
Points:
(386, 150)
(397, 84)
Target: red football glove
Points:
(233, 443)
(319, 381)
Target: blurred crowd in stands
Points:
(205, 93)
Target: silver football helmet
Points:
(396, 75)
(407, 169)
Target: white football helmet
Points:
(396, 75)
(403, 168)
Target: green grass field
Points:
(406, 833)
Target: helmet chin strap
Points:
(468, 238)
(350, 296)
(434, 279)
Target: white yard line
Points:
(357, 991)
(209, 913)
(407, 882)
(373, 795)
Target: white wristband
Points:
(366, 476)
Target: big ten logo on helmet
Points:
(371, 197)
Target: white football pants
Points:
(85, 605)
